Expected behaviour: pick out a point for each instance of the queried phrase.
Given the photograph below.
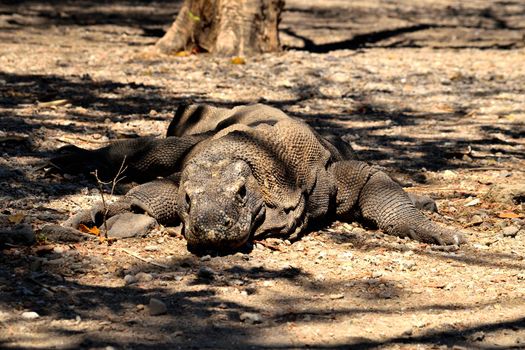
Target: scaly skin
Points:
(251, 171)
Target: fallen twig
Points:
(71, 141)
(113, 183)
(269, 245)
(54, 103)
(43, 285)
(135, 255)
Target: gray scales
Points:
(231, 175)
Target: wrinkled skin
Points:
(250, 171)
(219, 204)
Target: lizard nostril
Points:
(227, 222)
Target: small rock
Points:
(130, 225)
(143, 277)
(59, 250)
(339, 77)
(206, 258)
(250, 317)
(57, 233)
(177, 334)
(336, 296)
(157, 307)
(206, 272)
(151, 248)
(510, 231)
(449, 175)
(30, 315)
(130, 279)
(476, 220)
(55, 262)
(477, 336)
(377, 274)
(472, 202)
(331, 91)
(408, 332)
(140, 306)
(407, 265)
(506, 193)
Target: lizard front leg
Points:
(126, 217)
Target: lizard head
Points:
(219, 204)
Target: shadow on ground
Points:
(198, 313)
(486, 25)
(195, 313)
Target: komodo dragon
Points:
(234, 174)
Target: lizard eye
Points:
(187, 200)
(242, 193)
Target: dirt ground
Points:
(434, 91)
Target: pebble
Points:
(55, 262)
(59, 250)
(143, 277)
(30, 315)
(449, 175)
(250, 317)
(377, 274)
(407, 265)
(510, 231)
(206, 258)
(206, 272)
(336, 296)
(151, 248)
(129, 279)
(477, 336)
(157, 307)
(339, 77)
(472, 202)
(476, 220)
(177, 334)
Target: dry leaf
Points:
(93, 230)
(238, 60)
(53, 103)
(16, 218)
(508, 215)
(193, 16)
(182, 54)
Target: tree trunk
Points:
(225, 27)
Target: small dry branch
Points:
(135, 255)
(118, 177)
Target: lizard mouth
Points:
(224, 239)
(197, 245)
